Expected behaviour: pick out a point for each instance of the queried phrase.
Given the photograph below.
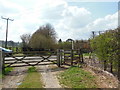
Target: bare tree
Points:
(25, 39)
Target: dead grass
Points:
(103, 78)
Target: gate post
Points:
(58, 57)
(72, 55)
(81, 55)
(3, 62)
(2, 68)
(61, 57)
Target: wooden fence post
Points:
(72, 57)
(3, 63)
(58, 57)
(61, 57)
(81, 56)
(1, 59)
(2, 67)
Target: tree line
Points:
(107, 48)
(45, 37)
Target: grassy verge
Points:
(75, 77)
(85, 54)
(7, 70)
(32, 80)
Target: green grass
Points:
(75, 77)
(18, 55)
(85, 54)
(7, 70)
(32, 80)
(0, 75)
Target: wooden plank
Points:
(67, 59)
(12, 59)
(30, 65)
(30, 61)
(28, 58)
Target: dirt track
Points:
(14, 78)
(49, 77)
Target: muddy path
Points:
(14, 78)
(49, 75)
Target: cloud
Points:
(76, 17)
(107, 22)
(100, 24)
(69, 21)
(92, 0)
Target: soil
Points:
(49, 75)
(14, 78)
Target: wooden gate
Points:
(30, 59)
(70, 57)
(59, 57)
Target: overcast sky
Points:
(70, 18)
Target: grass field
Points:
(32, 80)
(75, 77)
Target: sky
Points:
(71, 18)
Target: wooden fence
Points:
(69, 57)
(59, 57)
